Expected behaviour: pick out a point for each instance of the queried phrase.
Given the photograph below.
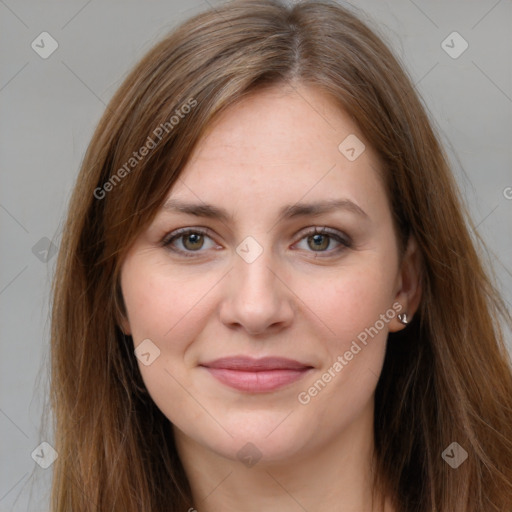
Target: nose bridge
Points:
(257, 298)
(255, 284)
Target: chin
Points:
(259, 438)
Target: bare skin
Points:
(306, 297)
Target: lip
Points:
(256, 375)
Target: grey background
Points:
(51, 106)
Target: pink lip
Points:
(256, 375)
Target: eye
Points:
(319, 240)
(190, 240)
(187, 241)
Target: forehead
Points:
(282, 144)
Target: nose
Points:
(256, 298)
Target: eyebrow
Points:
(287, 212)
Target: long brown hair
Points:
(446, 378)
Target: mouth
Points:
(256, 375)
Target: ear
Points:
(408, 286)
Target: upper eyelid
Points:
(176, 233)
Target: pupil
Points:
(319, 241)
(194, 239)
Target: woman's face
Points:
(250, 279)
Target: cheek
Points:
(351, 305)
(167, 308)
(352, 299)
(162, 305)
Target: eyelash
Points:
(180, 233)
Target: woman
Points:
(267, 296)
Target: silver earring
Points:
(403, 318)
